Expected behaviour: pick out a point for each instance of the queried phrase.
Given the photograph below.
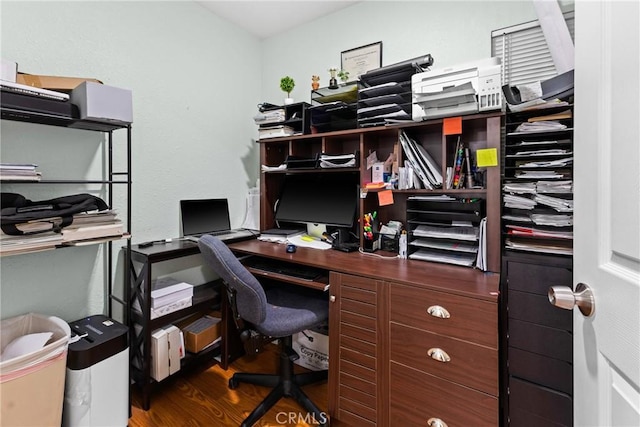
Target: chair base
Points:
(286, 384)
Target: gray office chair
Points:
(277, 313)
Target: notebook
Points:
(208, 216)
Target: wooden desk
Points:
(409, 341)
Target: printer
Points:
(460, 89)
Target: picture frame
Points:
(359, 60)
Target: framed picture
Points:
(359, 60)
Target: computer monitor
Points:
(319, 200)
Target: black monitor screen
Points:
(329, 199)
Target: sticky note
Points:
(385, 197)
(452, 126)
(487, 157)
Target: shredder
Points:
(97, 377)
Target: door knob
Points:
(564, 297)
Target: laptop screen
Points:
(204, 216)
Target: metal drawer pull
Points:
(438, 311)
(438, 354)
(436, 422)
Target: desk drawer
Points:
(535, 278)
(541, 402)
(551, 342)
(416, 397)
(537, 309)
(470, 319)
(470, 365)
(546, 371)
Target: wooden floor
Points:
(201, 398)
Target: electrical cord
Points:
(376, 255)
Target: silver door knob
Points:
(564, 297)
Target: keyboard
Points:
(297, 271)
(223, 235)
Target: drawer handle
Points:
(438, 311)
(438, 354)
(436, 422)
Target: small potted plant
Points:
(287, 84)
(344, 76)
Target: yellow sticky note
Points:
(487, 157)
(385, 198)
(307, 238)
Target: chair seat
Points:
(291, 311)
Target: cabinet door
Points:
(355, 351)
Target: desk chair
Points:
(277, 313)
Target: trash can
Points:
(96, 392)
(32, 369)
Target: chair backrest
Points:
(250, 297)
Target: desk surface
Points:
(458, 280)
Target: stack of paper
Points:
(541, 126)
(271, 116)
(338, 161)
(275, 131)
(518, 202)
(554, 186)
(561, 205)
(19, 172)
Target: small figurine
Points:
(315, 82)
(333, 82)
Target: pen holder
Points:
(371, 245)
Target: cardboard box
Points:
(159, 354)
(200, 333)
(314, 354)
(59, 83)
(103, 103)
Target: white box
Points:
(170, 294)
(377, 172)
(103, 103)
(314, 354)
(159, 354)
(8, 70)
(175, 348)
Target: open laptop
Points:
(208, 216)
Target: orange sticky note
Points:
(385, 197)
(452, 126)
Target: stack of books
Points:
(19, 172)
(42, 234)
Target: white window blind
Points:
(524, 52)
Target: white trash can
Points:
(32, 383)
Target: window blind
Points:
(524, 52)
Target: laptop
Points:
(209, 216)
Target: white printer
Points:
(459, 89)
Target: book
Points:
(71, 233)
(279, 235)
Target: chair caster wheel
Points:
(233, 384)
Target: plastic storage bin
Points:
(32, 384)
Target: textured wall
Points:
(195, 83)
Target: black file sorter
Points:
(445, 229)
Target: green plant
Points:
(343, 75)
(287, 84)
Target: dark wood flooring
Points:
(202, 398)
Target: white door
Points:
(607, 212)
